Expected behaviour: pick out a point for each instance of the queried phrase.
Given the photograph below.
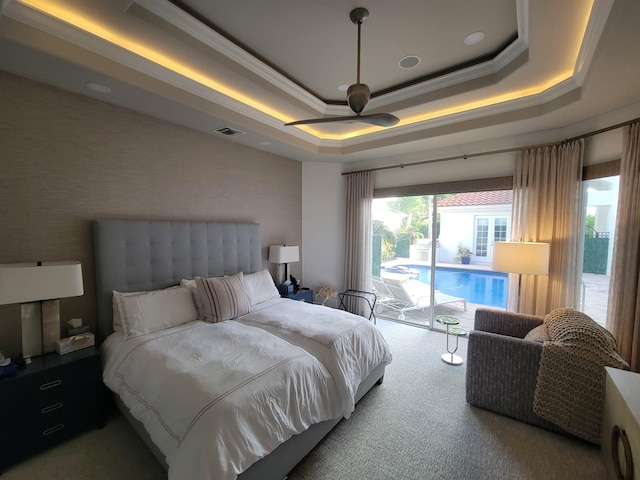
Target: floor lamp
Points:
(523, 258)
(38, 287)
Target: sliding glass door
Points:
(432, 255)
(601, 206)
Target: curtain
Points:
(358, 256)
(623, 312)
(547, 207)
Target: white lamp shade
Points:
(30, 282)
(284, 254)
(521, 257)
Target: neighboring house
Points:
(476, 220)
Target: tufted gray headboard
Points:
(136, 255)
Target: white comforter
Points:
(349, 346)
(215, 398)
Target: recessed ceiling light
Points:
(343, 88)
(98, 87)
(265, 143)
(409, 61)
(473, 38)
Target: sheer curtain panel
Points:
(547, 207)
(358, 256)
(623, 312)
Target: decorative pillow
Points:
(223, 298)
(260, 287)
(147, 312)
(538, 334)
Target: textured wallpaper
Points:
(66, 160)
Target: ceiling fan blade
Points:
(380, 119)
(310, 121)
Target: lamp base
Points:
(40, 327)
(31, 329)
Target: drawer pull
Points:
(51, 408)
(48, 385)
(625, 472)
(53, 429)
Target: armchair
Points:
(502, 367)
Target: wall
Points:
(66, 160)
(323, 226)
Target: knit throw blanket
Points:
(571, 376)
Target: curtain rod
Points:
(495, 152)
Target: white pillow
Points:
(193, 288)
(148, 312)
(117, 319)
(223, 298)
(260, 287)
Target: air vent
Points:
(228, 131)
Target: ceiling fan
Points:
(358, 94)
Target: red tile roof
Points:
(496, 197)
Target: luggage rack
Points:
(368, 297)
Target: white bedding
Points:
(215, 398)
(214, 405)
(349, 346)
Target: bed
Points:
(303, 366)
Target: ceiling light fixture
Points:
(473, 38)
(97, 87)
(409, 61)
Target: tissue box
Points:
(75, 342)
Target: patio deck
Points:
(594, 293)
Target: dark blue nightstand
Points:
(301, 295)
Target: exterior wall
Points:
(457, 225)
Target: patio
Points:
(594, 293)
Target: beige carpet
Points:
(416, 425)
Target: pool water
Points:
(475, 286)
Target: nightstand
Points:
(51, 400)
(301, 296)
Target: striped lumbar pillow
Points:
(223, 298)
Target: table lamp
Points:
(38, 287)
(528, 258)
(284, 254)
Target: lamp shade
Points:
(284, 254)
(30, 282)
(521, 257)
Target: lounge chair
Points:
(411, 295)
(386, 298)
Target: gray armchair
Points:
(502, 367)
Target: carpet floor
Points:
(416, 425)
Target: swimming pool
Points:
(483, 287)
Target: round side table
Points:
(450, 322)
